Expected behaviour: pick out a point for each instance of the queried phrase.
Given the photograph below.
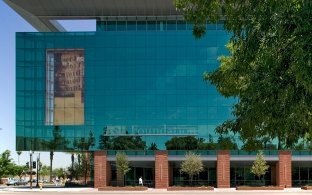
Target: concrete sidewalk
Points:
(48, 189)
(152, 190)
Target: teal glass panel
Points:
(142, 79)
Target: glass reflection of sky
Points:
(134, 78)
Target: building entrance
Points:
(138, 169)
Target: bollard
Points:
(40, 185)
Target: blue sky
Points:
(10, 23)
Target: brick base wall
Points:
(163, 173)
(283, 169)
(102, 173)
(223, 169)
(161, 169)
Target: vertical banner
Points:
(65, 87)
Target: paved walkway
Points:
(154, 191)
(47, 189)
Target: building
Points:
(133, 85)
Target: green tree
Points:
(122, 165)
(226, 143)
(75, 170)
(44, 171)
(85, 143)
(192, 165)
(6, 164)
(59, 172)
(85, 167)
(127, 142)
(268, 68)
(153, 146)
(182, 143)
(51, 163)
(104, 140)
(57, 143)
(210, 145)
(19, 170)
(260, 166)
(18, 155)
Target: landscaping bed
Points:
(180, 188)
(306, 187)
(259, 188)
(126, 188)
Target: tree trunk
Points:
(85, 177)
(51, 160)
(279, 145)
(191, 176)
(72, 165)
(120, 179)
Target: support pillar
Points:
(102, 169)
(223, 169)
(161, 169)
(283, 169)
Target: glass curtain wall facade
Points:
(138, 81)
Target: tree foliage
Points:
(153, 146)
(182, 143)
(192, 165)
(18, 154)
(120, 142)
(85, 166)
(268, 69)
(8, 167)
(6, 164)
(127, 143)
(226, 143)
(260, 166)
(193, 143)
(57, 143)
(85, 143)
(122, 163)
(19, 170)
(59, 172)
(75, 171)
(44, 171)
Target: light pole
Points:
(31, 167)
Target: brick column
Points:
(283, 169)
(223, 169)
(102, 170)
(161, 169)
